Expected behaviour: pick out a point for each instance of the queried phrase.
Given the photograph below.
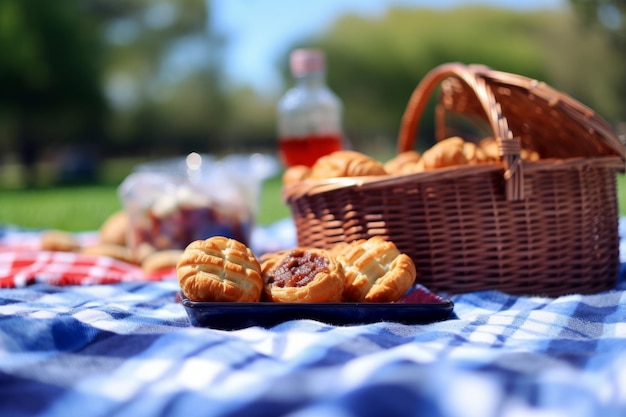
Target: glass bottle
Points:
(309, 114)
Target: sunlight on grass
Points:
(86, 207)
(71, 208)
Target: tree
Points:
(609, 18)
(139, 75)
(375, 63)
(163, 75)
(50, 60)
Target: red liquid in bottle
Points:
(306, 150)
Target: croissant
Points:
(345, 164)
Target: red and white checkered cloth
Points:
(23, 263)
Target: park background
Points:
(91, 88)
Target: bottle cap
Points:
(305, 61)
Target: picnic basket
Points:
(548, 227)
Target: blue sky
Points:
(258, 31)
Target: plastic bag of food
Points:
(173, 202)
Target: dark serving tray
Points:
(419, 306)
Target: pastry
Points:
(446, 153)
(474, 154)
(143, 250)
(529, 155)
(219, 269)
(295, 174)
(490, 148)
(396, 164)
(345, 164)
(160, 260)
(119, 252)
(115, 228)
(58, 240)
(302, 275)
(375, 271)
(412, 167)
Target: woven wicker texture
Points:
(547, 227)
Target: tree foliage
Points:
(374, 64)
(146, 75)
(50, 66)
(141, 74)
(163, 74)
(608, 18)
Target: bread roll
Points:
(375, 271)
(59, 240)
(445, 153)
(397, 164)
(345, 164)
(119, 252)
(219, 269)
(163, 259)
(115, 229)
(296, 174)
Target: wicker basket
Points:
(547, 227)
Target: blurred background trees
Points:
(83, 80)
(50, 77)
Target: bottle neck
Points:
(315, 79)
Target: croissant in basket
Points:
(489, 146)
(345, 164)
(296, 173)
(474, 154)
(446, 153)
(400, 162)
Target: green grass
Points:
(79, 208)
(621, 194)
(82, 208)
(65, 208)
(86, 207)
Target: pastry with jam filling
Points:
(375, 270)
(302, 275)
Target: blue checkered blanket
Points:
(128, 349)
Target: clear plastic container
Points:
(173, 202)
(309, 114)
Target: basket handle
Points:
(473, 77)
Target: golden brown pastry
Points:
(115, 228)
(490, 148)
(295, 174)
(412, 167)
(119, 252)
(345, 164)
(375, 271)
(58, 240)
(474, 154)
(396, 164)
(160, 260)
(143, 250)
(302, 275)
(529, 155)
(445, 153)
(219, 269)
